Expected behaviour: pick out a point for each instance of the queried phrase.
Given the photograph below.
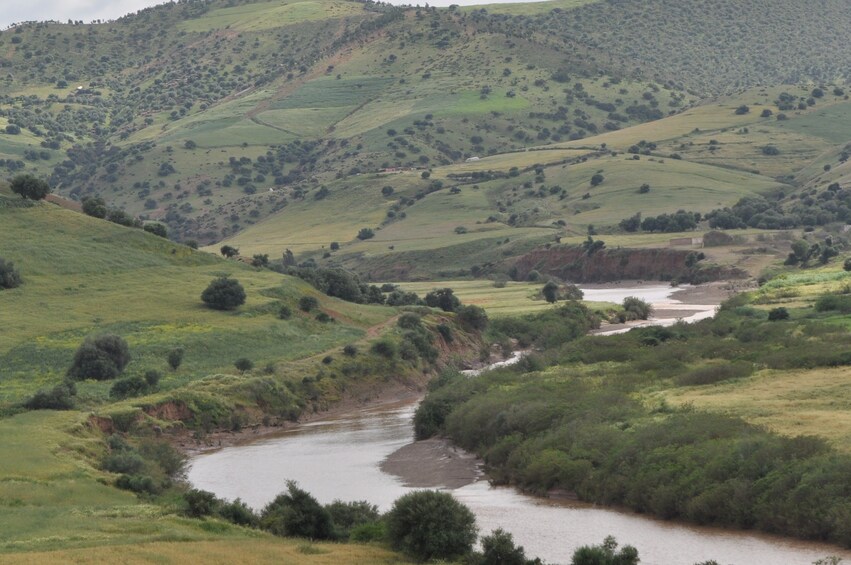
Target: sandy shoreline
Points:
(433, 463)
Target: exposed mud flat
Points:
(433, 463)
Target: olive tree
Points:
(224, 294)
(30, 187)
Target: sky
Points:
(13, 11)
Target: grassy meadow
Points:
(83, 276)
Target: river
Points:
(339, 458)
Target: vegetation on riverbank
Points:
(591, 416)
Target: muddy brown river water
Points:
(340, 458)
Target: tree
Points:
(741, 110)
(229, 251)
(597, 179)
(846, 265)
(778, 314)
(101, 358)
(365, 233)
(639, 309)
(156, 228)
(499, 549)
(296, 513)
(95, 207)
(175, 358)
(9, 275)
(243, 364)
(431, 525)
(604, 554)
(307, 303)
(443, 298)
(30, 187)
(550, 292)
(260, 260)
(473, 317)
(224, 294)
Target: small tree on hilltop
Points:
(431, 525)
(224, 294)
(101, 358)
(30, 187)
(9, 275)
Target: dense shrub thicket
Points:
(595, 438)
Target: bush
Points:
(224, 294)
(777, 314)
(365, 233)
(101, 358)
(129, 387)
(498, 549)
(604, 554)
(124, 461)
(833, 302)
(846, 265)
(238, 512)
(199, 503)
(444, 299)
(9, 275)
(349, 515)
(242, 364)
(59, 397)
(285, 312)
(297, 513)
(714, 373)
(175, 358)
(409, 321)
(30, 187)
(445, 332)
(636, 308)
(141, 484)
(384, 348)
(307, 303)
(473, 317)
(324, 318)
(431, 525)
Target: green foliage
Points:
(156, 228)
(10, 277)
(605, 554)
(135, 385)
(199, 503)
(229, 251)
(443, 298)
(365, 233)
(308, 303)
(60, 397)
(224, 293)
(339, 283)
(175, 358)
(285, 312)
(498, 549)
(636, 308)
(409, 321)
(473, 317)
(243, 364)
(30, 187)
(778, 314)
(297, 513)
(238, 512)
(431, 525)
(550, 292)
(384, 348)
(714, 373)
(101, 358)
(347, 516)
(833, 303)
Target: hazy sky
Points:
(12, 11)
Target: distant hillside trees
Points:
(9, 275)
(30, 187)
(224, 294)
(100, 358)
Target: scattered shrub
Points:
(9, 275)
(297, 513)
(101, 358)
(224, 294)
(307, 303)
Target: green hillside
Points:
(245, 108)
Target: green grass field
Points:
(269, 15)
(77, 283)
